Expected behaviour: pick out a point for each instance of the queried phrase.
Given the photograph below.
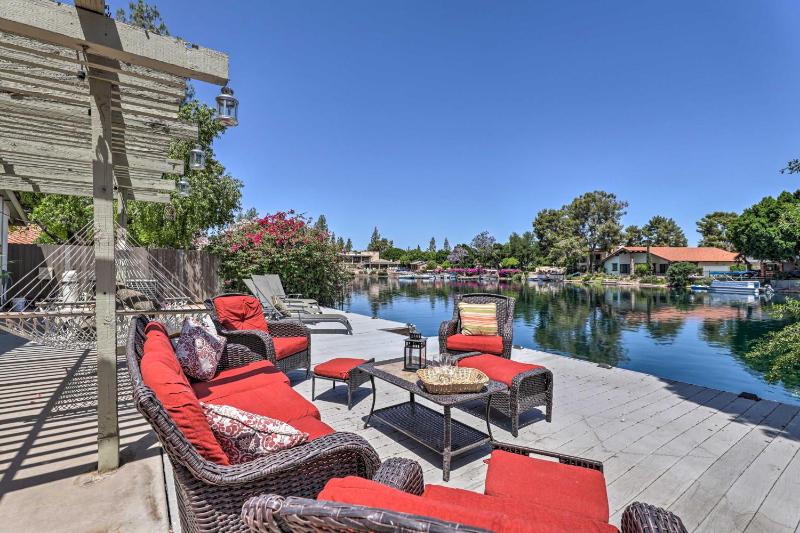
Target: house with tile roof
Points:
(624, 259)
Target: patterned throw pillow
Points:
(478, 319)
(281, 307)
(199, 349)
(246, 436)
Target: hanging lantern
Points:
(227, 107)
(184, 189)
(197, 158)
(415, 353)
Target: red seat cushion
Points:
(313, 426)
(239, 379)
(548, 483)
(544, 517)
(240, 313)
(276, 401)
(475, 343)
(497, 368)
(359, 491)
(286, 346)
(338, 368)
(162, 373)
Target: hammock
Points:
(54, 303)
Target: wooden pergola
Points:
(88, 107)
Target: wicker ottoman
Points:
(529, 385)
(341, 370)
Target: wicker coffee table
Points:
(434, 430)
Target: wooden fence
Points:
(196, 269)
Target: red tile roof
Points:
(24, 234)
(685, 253)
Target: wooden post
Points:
(105, 310)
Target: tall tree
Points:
(770, 229)
(340, 244)
(432, 245)
(634, 236)
(374, 241)
(446, 245)
(523, 247)
(596, 220)
(663, 231)
(321, 224)
(483, 244)
(348, 246)
(144, 16)
(713, 228)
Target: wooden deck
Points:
(722, 463)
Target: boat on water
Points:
(539, 277)
(735, 287)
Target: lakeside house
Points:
(366, 261)
(623, 260)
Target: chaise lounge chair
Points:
(271, 285)
(297, 313)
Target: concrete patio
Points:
(722, 463)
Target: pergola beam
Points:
(99, 35)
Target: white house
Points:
(624, 259)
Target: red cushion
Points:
(286, 346)
(153, 325)
(502, 519)
(276, 401)
(475, 343)
(162, 373)
(497, 368)
(313, 426)
(545, 518)
(338, 368)
(548, 483)
(240, 313)
(239, 379)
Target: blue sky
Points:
(446, 118)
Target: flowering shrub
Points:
(282, 243)
(508, 272)
(467, 271)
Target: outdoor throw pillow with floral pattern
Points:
(478, 319)
(245, 436)
(199, 349)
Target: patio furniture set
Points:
(335, 481)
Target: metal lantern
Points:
(197, 158)
(415, 353)
(184, 189)
(227, 108)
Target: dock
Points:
(719, 461)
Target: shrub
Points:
(780, 350)
(641, 269)
(679, 274)
(656, 280)
(738, 268)
(285, 244)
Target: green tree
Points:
(509, 262)
(679, 274)
(432, 245)
(596, 220)
(144, 16)
(321, 224)
(524, 247)
(713, 228)
(770, 229)
(483, 244)
(549, 226)
(633, 236)
(348, 246)
(663, 231)
(446, 245)
(780, 350)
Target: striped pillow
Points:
(478, 319)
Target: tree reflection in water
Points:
(612, 325)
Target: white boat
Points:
(735, 287)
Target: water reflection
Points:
(698, 338)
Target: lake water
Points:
(697, 338)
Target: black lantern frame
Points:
(415, 354)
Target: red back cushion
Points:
(240, 313)
(162, 373)
(496, 367)
(519, 477)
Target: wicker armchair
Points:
(261, 341)
(274, 513)
(209, 495)
(505, 320)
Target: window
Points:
(662, 268)
(614, 267)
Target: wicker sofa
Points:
(548, 498)
(240, 318)
(529, 386)
(210, 492)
